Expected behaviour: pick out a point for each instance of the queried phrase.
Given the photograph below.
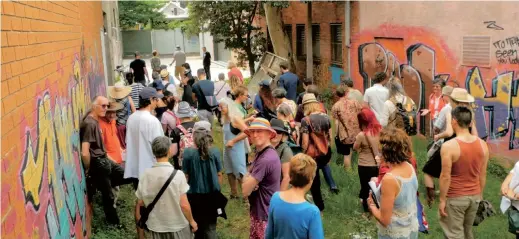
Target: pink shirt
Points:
(235, 72)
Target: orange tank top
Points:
(467, 170)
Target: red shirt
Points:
(110, 140)
(235, 72)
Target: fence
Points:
(164, 41)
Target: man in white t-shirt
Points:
(142, 128)
(376, 96)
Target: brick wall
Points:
(51, 67)
(324, 14)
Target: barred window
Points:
(336, 40)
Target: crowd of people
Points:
(159, 138)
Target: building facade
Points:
(418, 41)
(52, 66)
(112, 42)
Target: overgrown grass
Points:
(342, 215)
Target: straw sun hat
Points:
(119, 91)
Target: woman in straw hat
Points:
(121, 94)
(458, 97)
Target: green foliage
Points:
(231, 23)
(132, 13)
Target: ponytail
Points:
(203, 141)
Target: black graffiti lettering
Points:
(506, 53)
(513, 41)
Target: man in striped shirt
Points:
(136, 89)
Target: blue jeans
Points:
(327, 173)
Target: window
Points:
(300, 40)
(476, 50)
(316, 35)
(288, 30)
(175, 11)
(336, 39)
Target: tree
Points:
(132, 13)
(231, 23)
(280, 39)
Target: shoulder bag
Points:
(318, 145)
(372, 152)
(145, 211)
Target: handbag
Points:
(513, 220)
(372, 152)
(319, 147)
(145, 211)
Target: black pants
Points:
(104, 175)
(316, 184)
(365, 175)
(206, 231)
(207, 69)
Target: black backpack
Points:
(405, 117)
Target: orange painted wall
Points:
(51, 68)
(425, 40)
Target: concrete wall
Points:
(421, 40)
(113, 39)
(51, 69)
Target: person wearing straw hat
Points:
(169, 82)
(101, 172)
(109, 132)
(458, 97)
(432, 168)
(264, 176)
(121, 94)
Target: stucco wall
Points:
(421, 40)
(51, 68)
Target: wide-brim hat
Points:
(114, 106)
(278, 125)
(461, 95)
(447, 90)
(184, 110)
(309, 98)
(119, 91)
(261, 124)
(164, 73)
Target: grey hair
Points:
(160, 146)
(395, 87)
(221, 76)
(279, 93)
(284, 110)
(203, 141)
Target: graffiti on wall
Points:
(48, 194)
(506, 50)
(502, 104)
(417, 60)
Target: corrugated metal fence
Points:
(164, 41)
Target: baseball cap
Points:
(149, 92)
(202, 125)
(157, 84)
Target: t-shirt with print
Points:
(90, 132)
(202, 173)
(167, 215)
(320, 123)
(266, 169)
(138, 69)
(345, 111)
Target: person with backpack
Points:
(203, 93)
(203, 169)
(399, 110)
(366, 145)
(283, 150)
(316, 136)
(169, 119)
(345, 112)
(182, 135)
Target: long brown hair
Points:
(203, 141)
(267, 99)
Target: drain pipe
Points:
(347, 22)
